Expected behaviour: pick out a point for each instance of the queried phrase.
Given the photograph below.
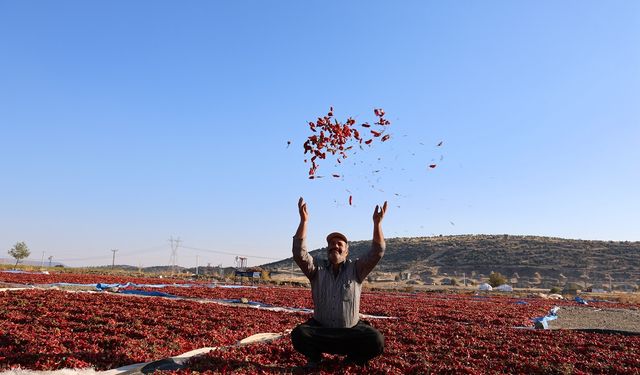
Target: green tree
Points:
(19, 251)
(496, 279)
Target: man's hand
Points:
(300, 254)
(301, 232)
(378, 213)
(369, 261)
(302, 208)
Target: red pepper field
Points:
(48, 329)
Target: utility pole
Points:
(113, 262)
(42, 261)
(196, 265)
(50, 258)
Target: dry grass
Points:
(632, 298)
(628, 297)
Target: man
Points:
(336, 284)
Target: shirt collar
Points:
(327, 264)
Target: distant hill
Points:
(202, 270)
(151, 269)
(530, 257)
(27, 262)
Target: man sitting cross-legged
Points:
(336, 284)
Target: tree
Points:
(585, 277)
(265, 275)
(19, 251)
(608, 277)
(496, 279)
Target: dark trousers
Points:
(359, 343)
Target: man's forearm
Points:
(299, 246)
(378, 236)
(302, 257)
(302, 230)
(365, 265)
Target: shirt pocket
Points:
(347, 291)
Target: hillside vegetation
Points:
(522, 257)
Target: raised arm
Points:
(365, 265)
(300, 254)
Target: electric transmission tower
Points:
(241, 263)
(175, 243)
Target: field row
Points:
(50, 329)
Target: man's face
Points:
(337, 250)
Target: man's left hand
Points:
(378, 213)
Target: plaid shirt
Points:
(336, 298)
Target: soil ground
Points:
(590, 318)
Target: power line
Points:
(77, 259)
(126, 254)
(227, 253)
(175, 244)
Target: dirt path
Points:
(589, 318)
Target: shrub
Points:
(497, 279)
(409, 289)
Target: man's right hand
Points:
(302, 208)
(300, 254)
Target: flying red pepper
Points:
(337, 138)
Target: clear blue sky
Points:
(126, 122)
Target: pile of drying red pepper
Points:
(432, 333)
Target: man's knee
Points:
(378, 343)
(374, 343)
(299, 335)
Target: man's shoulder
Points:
(323, 264)
(350, 266)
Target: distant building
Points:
(447, 281)
(626, 288)
(427, 279)
(382, 277)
